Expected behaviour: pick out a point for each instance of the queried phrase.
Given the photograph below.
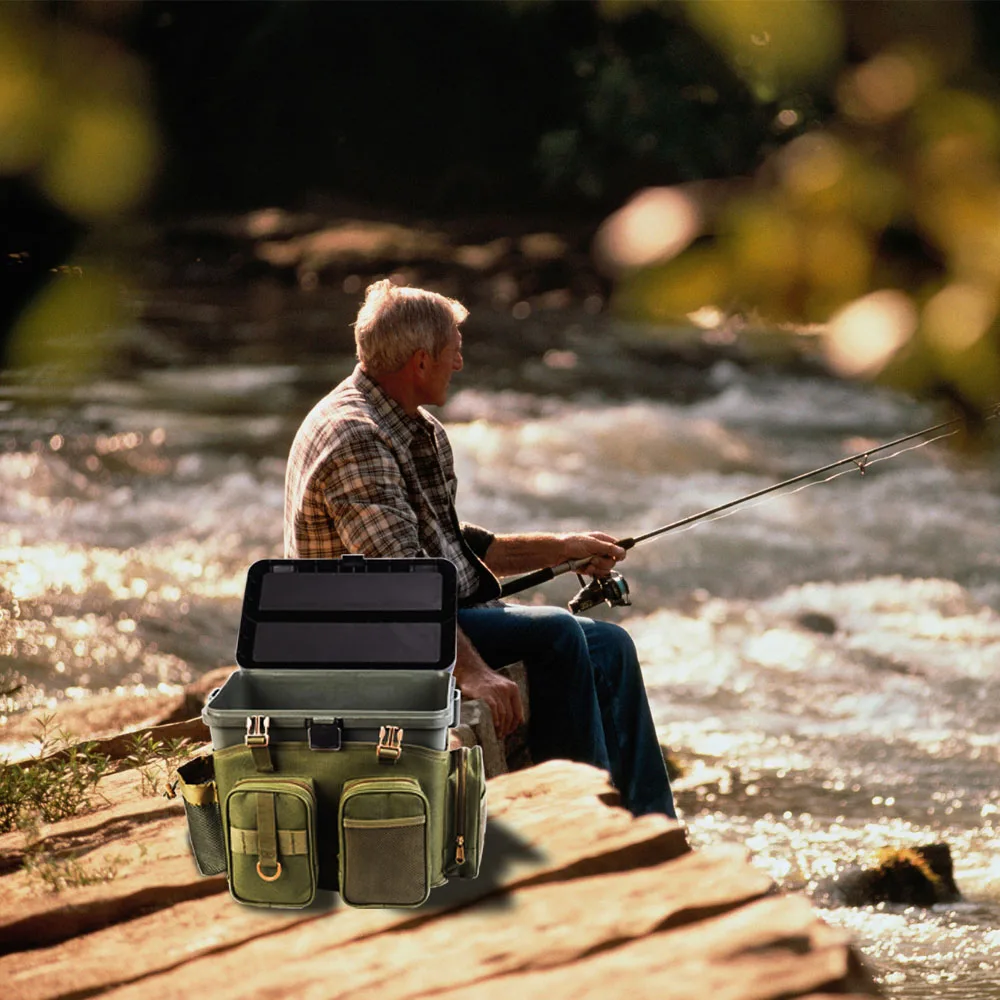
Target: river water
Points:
(826, 662)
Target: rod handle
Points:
(520, 583)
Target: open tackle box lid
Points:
(352, 612)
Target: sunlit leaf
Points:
(25, 96)
(105, 160)
(774, 45)
(70, 325)
(671, 291)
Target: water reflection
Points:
(827, 664)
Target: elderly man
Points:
(371, 472)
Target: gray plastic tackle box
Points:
(308, 704)
(331, 650)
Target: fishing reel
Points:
(611, 589)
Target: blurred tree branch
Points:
(881, 222)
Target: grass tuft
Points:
(54, 789)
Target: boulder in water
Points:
(914, 876)
(817, 621)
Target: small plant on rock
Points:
(155, 759)
(59, 782)
(58, 870)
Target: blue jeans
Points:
(588, 701)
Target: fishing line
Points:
(615, 590)
(817, 482)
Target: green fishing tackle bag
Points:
(384, 823)
(310, 785)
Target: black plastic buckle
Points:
(325, 735)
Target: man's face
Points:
(439, 371)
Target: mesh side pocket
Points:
(208, 844)
(383, 843)
(204, 819)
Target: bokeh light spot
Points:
(865, 334)
(654, 226)
(958, 316)
(880, 89)
(811, 164)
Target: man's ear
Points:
(421, 361)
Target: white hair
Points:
(395, 322)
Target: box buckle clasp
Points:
(390, 740)
(258, 727)
(325, 735)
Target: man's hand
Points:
(511, 554)
(477, 680)
(500, 694)
(597, 544)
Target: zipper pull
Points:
(460, 850)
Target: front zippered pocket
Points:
(384, 842)
(467, 812)
(270, 824)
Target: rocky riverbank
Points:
(576, 898)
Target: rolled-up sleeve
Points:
(478, 539)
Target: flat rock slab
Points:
(575, 898)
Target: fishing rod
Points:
(613, 589)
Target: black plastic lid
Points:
(351, 612)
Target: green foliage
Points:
(879, 221)
(87, 139)
(155, 759)
(651, 102)
(50, 790)
(65, 784)
(57, 872)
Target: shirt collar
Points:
(397, 421)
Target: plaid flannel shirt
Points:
(365, 477)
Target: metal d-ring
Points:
(269, 878)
